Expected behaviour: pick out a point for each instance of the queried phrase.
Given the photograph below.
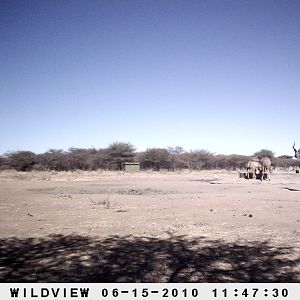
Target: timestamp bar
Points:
(155, 291)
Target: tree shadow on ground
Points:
(291, 189)
(75, 258)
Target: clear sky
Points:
(217, 75)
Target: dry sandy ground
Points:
(149, 227)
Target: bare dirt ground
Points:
(149, 227)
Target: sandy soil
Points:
(157, 227)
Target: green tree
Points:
(79, 158)
(236, 161)
(285, 156)
(156, 159)
(118, 153)
(264, 152)
(21, 160)
(54, 160)
(200, 159)
(177, 158)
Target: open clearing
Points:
(205, 226)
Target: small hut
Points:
(132, 166)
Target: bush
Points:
(115, 156)
(21, 160)
(156, 159)
(119, 153)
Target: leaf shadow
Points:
(75, 258)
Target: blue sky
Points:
(217, 75)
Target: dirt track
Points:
(106, 226)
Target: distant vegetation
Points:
(115, 155)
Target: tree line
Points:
(116, 154)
